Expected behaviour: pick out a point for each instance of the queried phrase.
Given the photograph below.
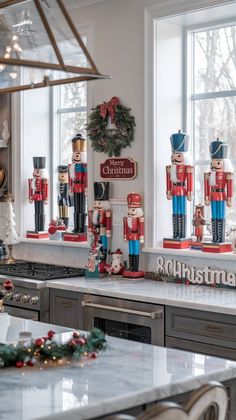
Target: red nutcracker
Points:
(100, 218)
(218, 191)
(38, 192)
(133, 232)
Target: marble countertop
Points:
(193, 297)
(126, 374)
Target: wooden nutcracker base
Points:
(37, 235)
(182, 243)
(217, 248)
(75, 237)
(196, 245)
(133, 274)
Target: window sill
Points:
(55, 243)
(230, 256)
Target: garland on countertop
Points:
(119, 135)
(45, 350)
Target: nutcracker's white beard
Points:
(95, 217)
(72, 171)
(173, 173)
(212, 180)
(33, 184)
(129, 221)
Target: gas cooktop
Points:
(40, 271)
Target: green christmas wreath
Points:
(112, 139)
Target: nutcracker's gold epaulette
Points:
(206, 175)
(168, 168)
(189, 169)
(141, 219)
(229, 175)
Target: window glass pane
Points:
(73, 95)
(214, 118)
(215, 60)
(70, 124)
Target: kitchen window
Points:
(190, 76)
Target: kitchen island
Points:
(127, 374)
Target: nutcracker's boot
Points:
(41, 222)
(182, 226)
(36, 222)
(174, 222)
(130, 263)
(213, 227)
(136, 262)
(220, 230)
(81, 222)
(76, 223)
(66, 221)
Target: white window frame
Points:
(18, 158)
(165, 8)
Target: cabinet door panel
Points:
(65, 308)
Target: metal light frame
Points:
(83, 73)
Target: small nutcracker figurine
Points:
(133, 232)
(63, 194)
(198, 223)
(179, 187)
(78, 187)
(38, 193)
(100, 218)
(218, 191)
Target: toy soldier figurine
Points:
(198, 223)
(78, 187)
(38, 193)
(218, 191)
(63, 194)
(100, 218)
(179, 186)
(133, 226)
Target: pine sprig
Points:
(46, 349)
(111, 140)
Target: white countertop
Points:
(194, 297)
(126, 374)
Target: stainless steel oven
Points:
(127, 319)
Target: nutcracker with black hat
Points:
(133, 232)
(218, 192)
(38, 193)
(63, 198)
(179, 188)
(78, 179)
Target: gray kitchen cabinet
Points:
(200, 331)
(65, 308)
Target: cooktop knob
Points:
(17, 296)
(25, 298)
(34, 300)
(8, 295)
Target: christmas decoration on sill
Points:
(3, 181)
(110, 127)
(133, 226)
(45, 351)
(96, 260)
(56, 229)
(198, 223)
(118, 168)
(179, 186)
(63, 198)
(78, 180)
(218, 191)
(38, 193)
(7, 285)
(8, 233)
(117, 265)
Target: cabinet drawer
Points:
(180, 344)
(200, 326)
(65, 308)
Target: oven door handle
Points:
(153, 315)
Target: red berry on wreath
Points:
(39, 342)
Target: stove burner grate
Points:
(40, 271)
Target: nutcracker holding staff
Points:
(179, 188)
(100, 218)
(133, 232)
(63, 194)
(218, 191)
(38, 193)
(78, 187)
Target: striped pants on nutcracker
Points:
(134, 251)
(218, 221)
(179, 216)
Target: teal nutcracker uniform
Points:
(218, 188)
(179, 183)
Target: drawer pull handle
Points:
(214, 329)
(66, 305)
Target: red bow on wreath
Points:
(109, 108)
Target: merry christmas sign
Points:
(118, 168)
